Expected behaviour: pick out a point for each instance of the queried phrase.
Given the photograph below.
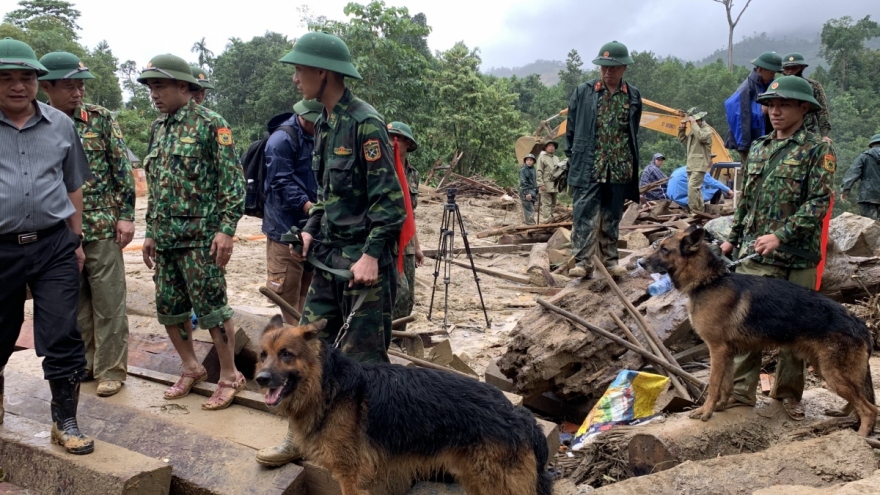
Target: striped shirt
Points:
(39, 165)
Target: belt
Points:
(29, 237)
(294, 239)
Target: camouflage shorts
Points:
(188, 278)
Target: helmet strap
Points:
(323, 87)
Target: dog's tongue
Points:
(272, 395)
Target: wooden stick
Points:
(497, 248)
(275, 298)
(427, 364)
(482, 186)
(520, 279)
(614, 338)
(650, 336)
(400, 321)
(632, 338)
(518, 228)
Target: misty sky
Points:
(509, 33)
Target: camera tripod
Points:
(446, 251)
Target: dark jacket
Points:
(744, 115)
(528, 183)
(290, 181)
(581, 135)
(867, 170)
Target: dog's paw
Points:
(706, 415)
(696, 414)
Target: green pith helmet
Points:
(17, 55)
(769, 61)
(529, 156)
(696, 113)
(794, 58)
(612, 54)
(64, 65)
(169, 66)
(790, 87)
(308, 109)
(875, 139)
(322, 51)
(404, 130)
(201, 77)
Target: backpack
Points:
(253, 163)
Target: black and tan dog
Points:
(378, 427)
(734, 313)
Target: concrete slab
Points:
(212, 452)
(30, 461)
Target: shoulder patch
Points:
(830, 163)
(372, 151)
(116, 130)
(224, 136)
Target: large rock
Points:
(855, 235)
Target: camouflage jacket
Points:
(360, 207)
(787, 191)
(109, 195)
(865, 170)
(195, 183)
(412, 180)
(818, 122)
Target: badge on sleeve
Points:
(224, 136)
(830, 164)
(116, 130)
(372, 152)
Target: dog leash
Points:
(733, 264)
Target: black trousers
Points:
(48, 267)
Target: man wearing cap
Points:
(698, 142)
(108, 221)
(603, 149)
(290, 189)
(651, 174)
(528, 188)
(196, 191)
(867, 170)
(819, 122)
(42, 170)
(356, 223)
(544, 168)
(786, 195)
(402, 134)
(744, 115)
(200, 94)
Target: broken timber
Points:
(520, 279)
(521, 228)
(498, 248)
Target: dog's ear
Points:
(310, 331)
(691, 229)
(692, 241)
(276, 322)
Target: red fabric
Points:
(409, 225)
(826, 224)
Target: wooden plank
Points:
(630, 215)
(521, 228)
(480, 185)
(520, 279)
(156, 352)
(245, 398)
(497, 248)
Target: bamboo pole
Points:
(679, 387)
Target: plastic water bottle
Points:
(195, 320)
(661, 286)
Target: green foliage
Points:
(843, 43)
(45, 15)
(104, 88)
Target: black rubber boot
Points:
(65, 432)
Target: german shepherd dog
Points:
(733, 313)
(377, 427)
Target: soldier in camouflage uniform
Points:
(200, 94)
(818, 122)
(528, 188)
(866, 170)
(413, 257)
(786, 195)
(108, 221)
(603, 150)
(360, 211)
(196, 191)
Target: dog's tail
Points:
(869, 385)
(539, 445)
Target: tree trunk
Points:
(730, 49)
(539, 267)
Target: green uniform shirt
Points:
(795, 177)
(195, 182)
(412, 180)
(360, 207)
(818, 122)
(613, 156)
(109, 195)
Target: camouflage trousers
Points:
(695, 191)
(188, 278)
(598, 209)
(789, 379)
(528, 209)
(406, 289)
(870, 210)
(101, 315)
(369, 333)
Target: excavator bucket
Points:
(526, 145)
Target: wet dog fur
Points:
(377, 427)
(734, 313)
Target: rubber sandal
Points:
(236, 386)
(794, 408)
(181, 389)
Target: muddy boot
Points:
(281, 454)
(2, 383)
(65, 432)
